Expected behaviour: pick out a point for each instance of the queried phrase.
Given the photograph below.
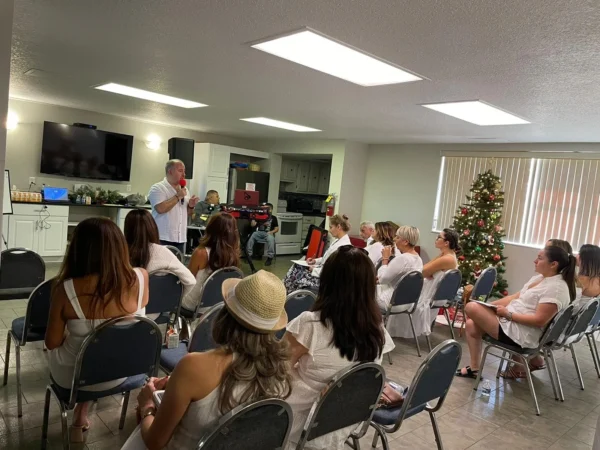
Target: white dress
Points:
(319, 262)
(399, 325)
(191, 300)
(161, 258)
(374, 251)
(62, 359)
(389, 276)
(312, 373)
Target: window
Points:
(544, 198)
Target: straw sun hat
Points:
(257, 302)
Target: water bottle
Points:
(486, 388)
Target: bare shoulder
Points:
(202, 372)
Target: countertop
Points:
(80, 205)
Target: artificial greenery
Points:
(98, 195)
(478, 222)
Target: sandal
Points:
(512, 374)
(470, 373)
(76, 433)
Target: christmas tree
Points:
(478, 222)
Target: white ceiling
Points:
(539, 59)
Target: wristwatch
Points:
(149, 412)
(509, 317)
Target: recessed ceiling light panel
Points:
(324, 54)
(279, 124)
(477, 112)
(150, 96)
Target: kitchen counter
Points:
(70, 204)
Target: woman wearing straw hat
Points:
(250, 364)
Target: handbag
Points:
(392, 396)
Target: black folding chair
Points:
(211, 291)
(262, 425)
(444, 297)
(574, 333)
(481, 291)
(349, 399)
(432, 381)
(125, 347)
(404, 301)
(176, 252)
(296, 303)
(164, 296)
(21, 271)
(553, 332)
(590, 336)
(30, 328)
(201, 341)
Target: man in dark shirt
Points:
(265, 234)
(203, 210)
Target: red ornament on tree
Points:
(480, 223)
(496, 257)
(498, 228)
(461, 258)
(464, 211)
(504, 292)
(466, 232)
(492, 197)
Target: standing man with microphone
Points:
(171, 205)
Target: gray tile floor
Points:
(506, 419)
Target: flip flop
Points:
(470, 373)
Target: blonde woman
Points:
(405, 261)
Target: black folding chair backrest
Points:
(118, 348)
(211, 292)
(350, 398)
(408, 289)
(298, 302)
(164, 294)
(262, 425)
(557, 326)
(435, 375)
(176, 252)
(448, 286)
(583, 320)
(595, 322)
(38, 309)
(21, 271)
(484, 284)
(202, 339)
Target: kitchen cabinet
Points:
(218, 184)
(41, 228)
(310, 177)
(302, 179)
(324, 175)
(211, 166)
(289, 171)
(314, 175)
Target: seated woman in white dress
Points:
(433, 271)
(588, 277)
(520, 319)
(96, 282)
(344, 326)
(146, 252)
(405, 261)
(250, 364)
(303, 277)
(383, 236)
(218, 248)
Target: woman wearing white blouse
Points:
(303, 277)
(519, 319)
(405, 261)
(382, 236)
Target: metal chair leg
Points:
(577, 368)
(46, 418)
(551, 373)
(380, 433)
(561, 394)
(595, 350)
(531, 388)
(436, 431)
(6, 358)
(500, 366)
(124, 410)
(593, 355)
(428, 342)
(414, 334)
(65, 428)
(19, 390)
(481, 366)
(451, 324)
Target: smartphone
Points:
(157, 397)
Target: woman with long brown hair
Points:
(345, 326)
(145, 251)
(383, 236)
(219, 248)
(96, 282)
(250, 364)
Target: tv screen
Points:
(80, 152)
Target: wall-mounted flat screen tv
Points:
(85, 153)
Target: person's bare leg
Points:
(482, 320)
(80, 414)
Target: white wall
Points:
(401, 184)
(25, 143)
(354, 171)
(6, 20)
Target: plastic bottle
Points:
(486, 388)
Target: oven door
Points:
(290, 231)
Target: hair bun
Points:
(345, 217)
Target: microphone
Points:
(182, 183)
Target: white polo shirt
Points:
(172, 225)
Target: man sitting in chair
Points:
(265, 234)
(203, 210)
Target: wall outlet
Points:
(128, 188)
(31, 180)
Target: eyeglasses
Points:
(440, 237)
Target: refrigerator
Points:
(238, 178)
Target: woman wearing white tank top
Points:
(95, 283)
